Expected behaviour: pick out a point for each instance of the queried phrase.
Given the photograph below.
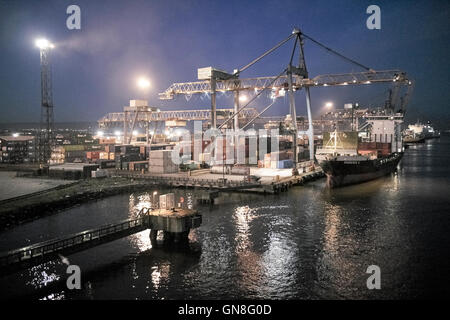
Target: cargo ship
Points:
(417, 133)
(430, 132)
(410, 136)
(355, 157)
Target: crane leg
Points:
(310, 125)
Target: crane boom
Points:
(259, 83)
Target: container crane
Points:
(292, 78)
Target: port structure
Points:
(292, 78)
(175, 223)
(45, 136)
(114, 119)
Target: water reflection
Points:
(309, 242)
(159, 274)
(265, 271)
(332, 224)
(143, 201)
(141, 240)
(54, 296)
(248, 261)
(44, 274)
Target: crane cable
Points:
(258, 115)
(337, 53)
(265, 54)
(251, 100)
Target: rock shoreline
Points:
(53, 201)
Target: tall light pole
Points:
(144, 84)
(45, 136)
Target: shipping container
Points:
(167, 201)
(285, 164)
(106, 163)
(104, 156)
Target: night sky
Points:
(95, 68)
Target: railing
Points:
(39, 250)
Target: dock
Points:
(174, 223)
(218, 182)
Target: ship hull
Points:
(414, 140)
(341, 173)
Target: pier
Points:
(175, 223)
(225, 183)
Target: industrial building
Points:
(72, 171)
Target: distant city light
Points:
(44, 44)
(143, 83)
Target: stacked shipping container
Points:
(161, 162)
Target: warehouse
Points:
(72, 171)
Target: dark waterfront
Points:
(307, 243)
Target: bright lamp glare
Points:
(329, 104)
(117, 133)
(100, 133)
(135, 132)
(44, 44)
(242, 98)
(143, 83)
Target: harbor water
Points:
(307, 243)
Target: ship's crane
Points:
(291, 79)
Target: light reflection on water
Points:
(310, 242)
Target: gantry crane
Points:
(292, 78)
